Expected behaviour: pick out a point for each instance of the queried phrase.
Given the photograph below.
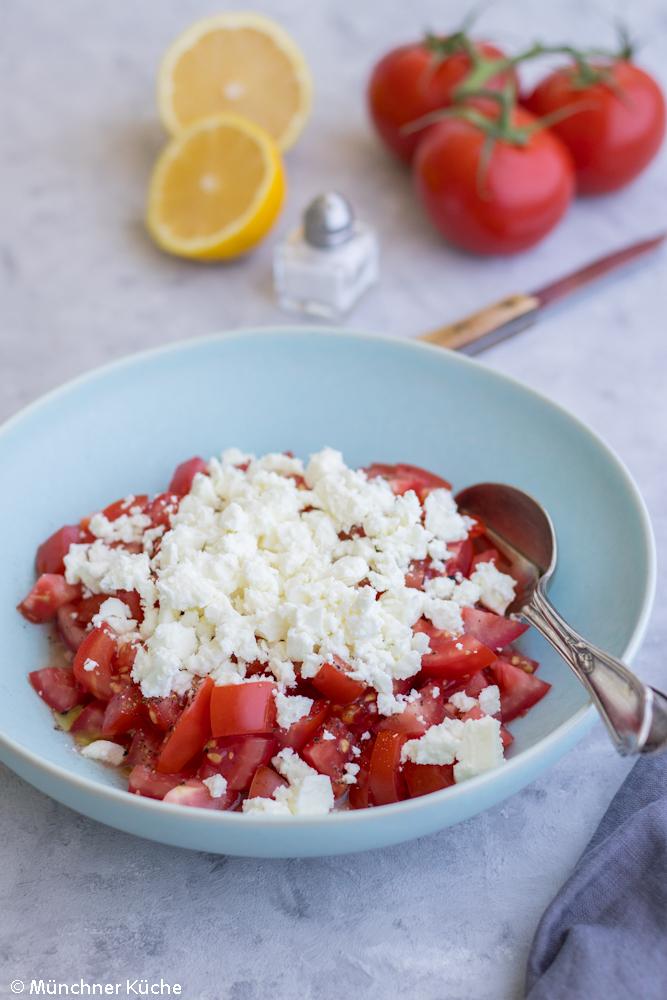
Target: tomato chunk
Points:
(57, 687)
(303, 729)
(50, 592)
(330, 750)
(429, 709)
(237, 759)
(51, 553)
(124, 506)
(145, 781)
(239, 709)
(145, 746)
(89, 724)
(493, 630)
(161, 509)
(194, 792)
(359, 716)
(335, 684)
(181, 481)
(385, 781)
(519, 691)
(422, 779)
(460, 559)
(403, 477)
(72, 632)
(93, 661)
(452, 658)
(265, 783)
(191, 732)
(124, 711)
(164, 712)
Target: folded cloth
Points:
(605, 934)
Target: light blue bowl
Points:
(123, 428)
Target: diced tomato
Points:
(403, 477)
(190, 733)
(181, 481)
(93, 662)
(162, 508)
(358, 794)
(506, 737)
(237, 759)
(361, 715)
(477, 528)
(422, 779)
(493, 630)
(145, 781)
(385, 781)
(416, 574)
(265, 782)
(88, 724)
(124, 506)
(518, 659)
(71, 630)
(301, 731)
(460, 559)
(125, 657)
(124, 711)
(239, 709)
(88, 607)
(50, 592)
(57, 687)
(476, 684)
(145, 746)
(519, 691)
(163, 712)
(330, 750)
(485, 556)
(132, 599)
(427, 710)
(452, 658)
(51, 553)
(335, 684)
(194, 792)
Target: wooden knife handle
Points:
(466, 331)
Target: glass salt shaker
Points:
(327, 263)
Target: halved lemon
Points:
(216, 189)
(242, 63)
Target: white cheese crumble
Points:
(489, 700)
(217, 785)
(351, 772)
(90, 664)
(496, 589)
(291, 708)
(116, 615)
(307, 794)
(473, 746)
(261, 564)
(463, 702)
(104, 751)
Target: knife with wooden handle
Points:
(497, 322)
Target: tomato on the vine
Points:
(498, 203)
(618, 127)
(414, 80)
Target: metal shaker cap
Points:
(329, 220)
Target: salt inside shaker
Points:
(325, 265)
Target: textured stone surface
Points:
(452, 915)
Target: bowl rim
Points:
(567, 731)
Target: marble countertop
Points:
(452, 915)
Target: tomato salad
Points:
(259, 721)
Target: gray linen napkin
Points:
(605, 933)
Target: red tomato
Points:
(57, 687)
(161, 509)
(239, 709)
(461, 558)
(264, 783)
(191, 732)
(124, 711)
(71, 630)
(125, 657)
(504, 205)
(412, 81)
(163, 712)
(493, 630)
(452, 658)
(124, 506)
(145, 746)
(361, 715)
(301, 731)
(90, 722)
(385, 781)
(181, 481)
(427, 710)
(422, 779)
(617, 131)
(402, 478)
(93, 661)
(51, 553)
(145, 781)
(237, 759)
(330, 755)
(485, 556)
(133, 601)
(336, 685)
(49, 593)
(517, 659)
(506, 737)
(194, 792)
(519, 691)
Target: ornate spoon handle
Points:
(634, 713)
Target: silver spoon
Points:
(634, 713)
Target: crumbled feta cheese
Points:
(462, 702)
(438, 745)
(104, 751)
(351, 772)
(260, 806)
(217, 785)
(473, 746)
(116, 615)
(442, 517)
(497, 589)
(489, 700)
(327, 735)
(89, 664)
(308, 793)
(291, 708)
